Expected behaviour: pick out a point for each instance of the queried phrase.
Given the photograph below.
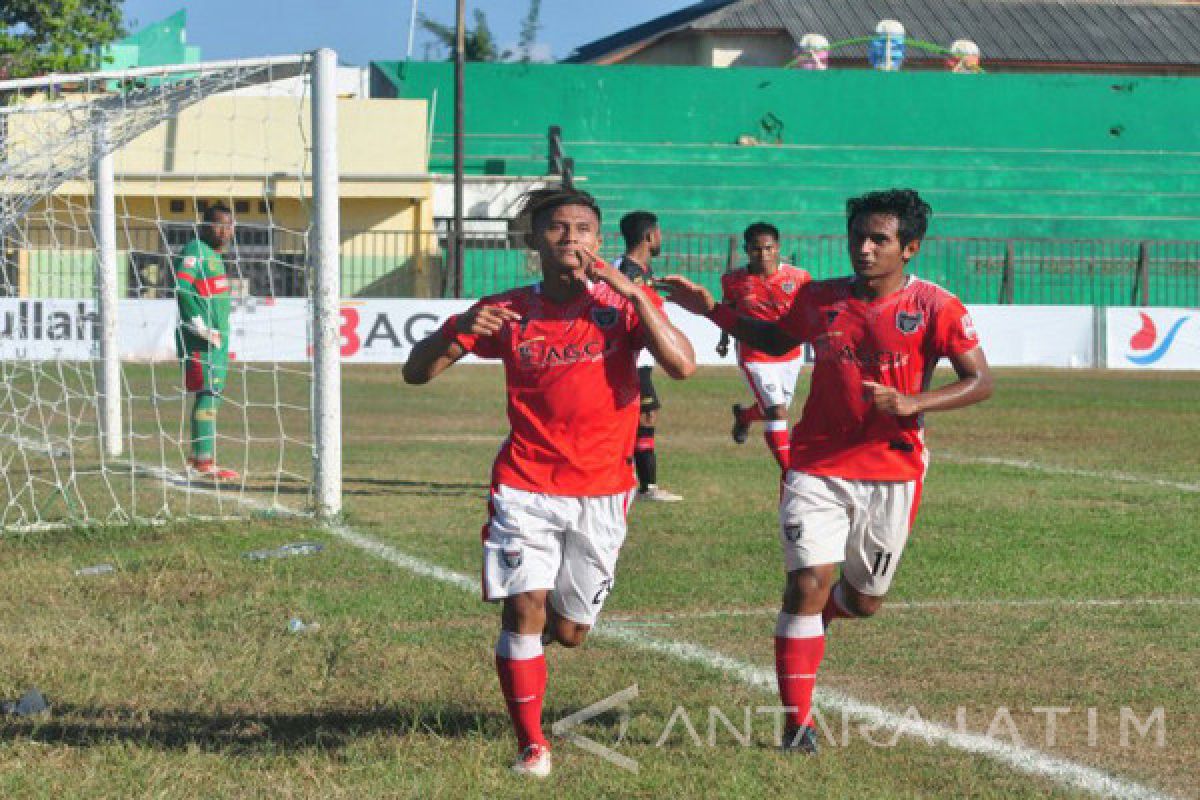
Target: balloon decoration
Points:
(886, 50)
(964, 56)
(813, 52)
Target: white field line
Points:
(1022, 759)
(953, 458)
(666, 617)
(1050, 469)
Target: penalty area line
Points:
(654, 618)
(1022, 759)
(937, 457)
(1050, 469)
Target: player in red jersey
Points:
(764, 289)
(563, 480)
(858, 453)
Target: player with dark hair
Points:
(563, 481)
(764, 289)
(202, 336)
(858, 452)
(643, 243)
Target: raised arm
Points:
(439, 350)
(670, 348)
(759, 334)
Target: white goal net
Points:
(106, 182)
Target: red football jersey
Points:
(896, 341)
(762, 298)
(572, 384)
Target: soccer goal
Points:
(106, 180)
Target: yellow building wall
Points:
(239, 135)
(251, 153)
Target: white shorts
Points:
(824, 520)
(773, 382)
(567, 545)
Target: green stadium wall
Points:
(1001, 156)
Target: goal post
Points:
(327, 365)
(104, 177)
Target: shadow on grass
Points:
(248, 734)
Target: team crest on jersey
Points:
(189, 262)
(512, 558)
(605, 316)
(788, 286)
(909, 323)
(830, 315)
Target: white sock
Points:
(518, 646)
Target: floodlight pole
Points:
(412, 27)
(460, 49)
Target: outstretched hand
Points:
(890, 401)
(485, 320)
(687, 294)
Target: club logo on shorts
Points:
(511, 558)
(909, 323)
(605, 588)
(605, 316)
(794, 531)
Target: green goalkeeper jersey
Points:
(202, 292)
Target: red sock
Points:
(778, 442)
(835, 606)
(523, 682)
(799, 647)
(750, 413)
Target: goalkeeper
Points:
(202, 337)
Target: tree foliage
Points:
(39, 36)
(530, 26)
(478, 42)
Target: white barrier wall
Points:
(1152, 338)
(1043, 336)
(1037, 336)
(384, 330)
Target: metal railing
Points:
(265, 262)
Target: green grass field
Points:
(1054, 564)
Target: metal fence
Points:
(1004, 271)
(272, 262)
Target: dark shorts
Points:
(649, 396)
